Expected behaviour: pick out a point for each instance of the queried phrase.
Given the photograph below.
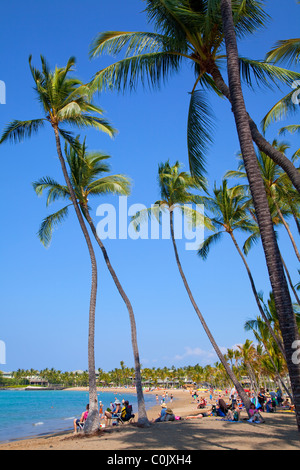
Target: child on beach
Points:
(234, 413)
(255, 416)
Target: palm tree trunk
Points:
(280, 380)
(229, 372)
(279, 285)
(265, 318)
(142, 414)
(92, 423)
(264, 146)
(287, 228)
(290, 280)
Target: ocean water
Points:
(33, 413)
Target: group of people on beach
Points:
(226, 407)
(230, 409)
(117, 411)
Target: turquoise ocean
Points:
(35, 413)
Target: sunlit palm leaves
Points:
(65, 101)
(185, 30)
(86, 174)
(288, 51)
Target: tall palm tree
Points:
(276, 273)
(283, 201)
(66, 101)
(262, 335)
(248, 354)
(279, 192)
(87, 172)
(175, 191)
(190, 31)
(229, 209)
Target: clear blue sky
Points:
(45, 293)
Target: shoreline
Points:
(117, 391)
(278, 433)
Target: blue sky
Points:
(45, 293)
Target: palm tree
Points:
(229, 208)
(86, 176)
(279, 192)
(248, 353)
(192, 31)
(175, 191)
(276, 273)
(66, 101)
(283, 201)
(262, 335)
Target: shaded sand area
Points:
(279, 432)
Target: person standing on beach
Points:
(101, 410)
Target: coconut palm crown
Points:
(87, 172)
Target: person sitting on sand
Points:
(234, 413)
(162, 414)
(126, 414)
(82, 419)
(169, 415)
(202, 403)
(222, 408)
(114, 414)
(254, 414)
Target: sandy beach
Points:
(279, 432)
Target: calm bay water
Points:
(33, 413)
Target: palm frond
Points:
(292, 129)
(55, 190)
(17, 131)
(208, 242)
(199, 136)
(279, 111)
(86, 120)
(265, 74)
(112, 184)
(287, 50)
(49, 223)
(113, 42)
(150, 69)
(70, 139)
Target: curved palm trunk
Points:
(92, 423)
(279, 285)
(142, 414)
(265, 318)
(264, 146)
(229, 372)
(290, 280)
(287, 228)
